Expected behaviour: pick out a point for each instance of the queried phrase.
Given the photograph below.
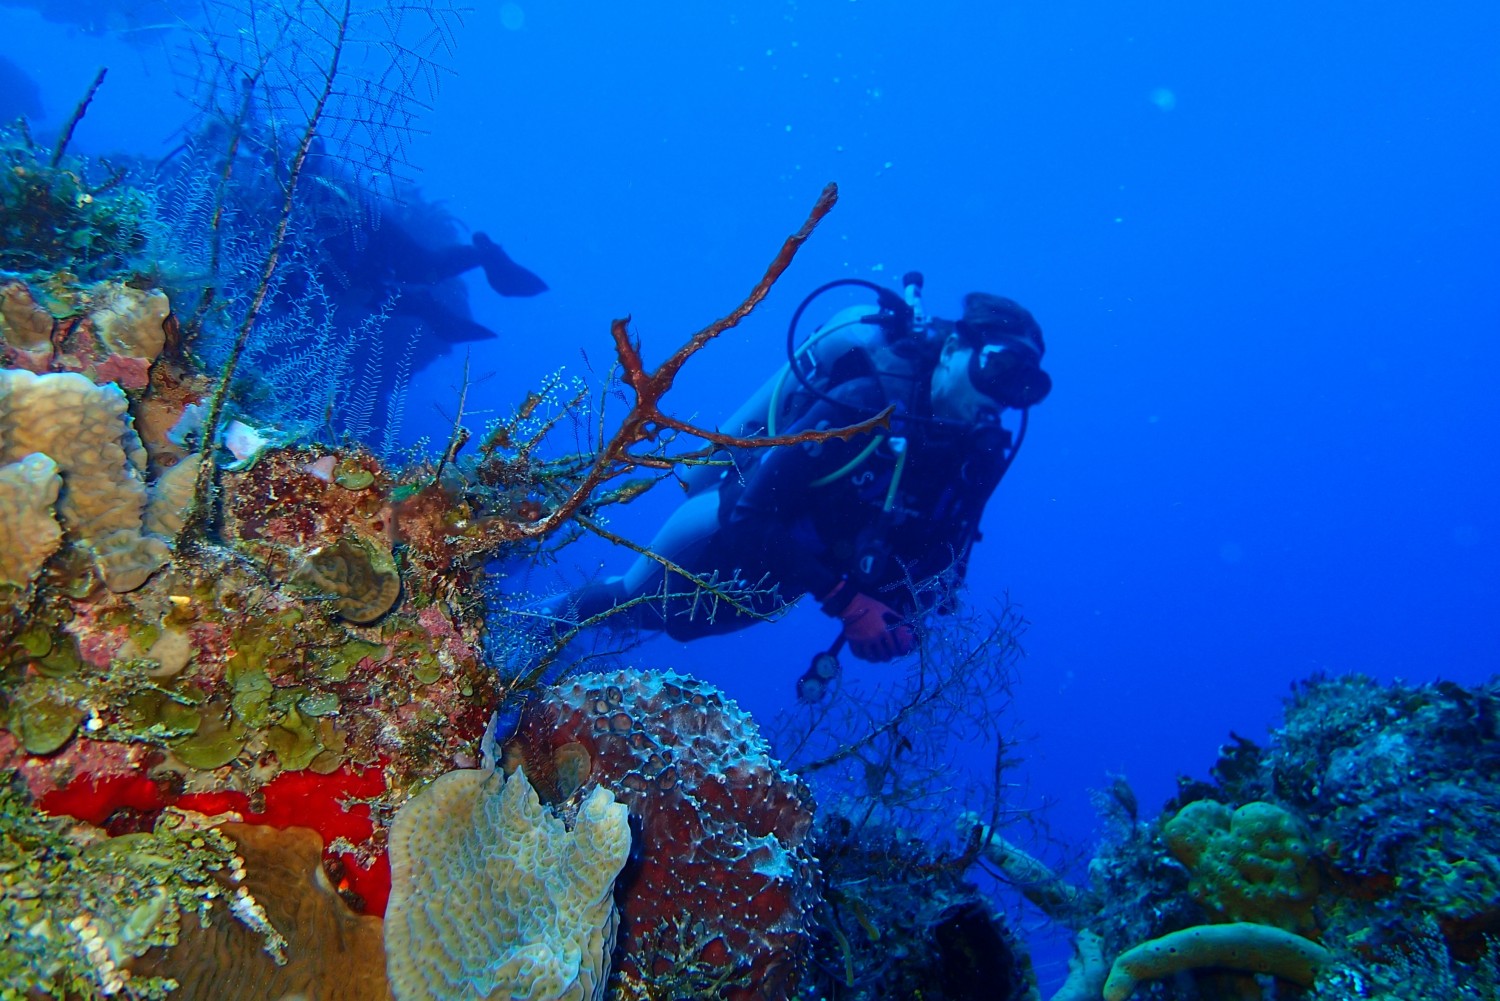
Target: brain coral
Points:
(720, 901)
(492, 898)
(331, 953)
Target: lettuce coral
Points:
(491, 896)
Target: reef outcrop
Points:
(1356, 854)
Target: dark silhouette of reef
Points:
(19, 94)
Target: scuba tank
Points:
(886, 338)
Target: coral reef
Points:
(1368, 825)
(51, 211)
(719, 903)
(492, 897)
(276, 649)
(242, 682)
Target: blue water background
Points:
(1261, 240)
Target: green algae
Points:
(335, 663)
(428, 669)
(213, 745)
(35, 642)
(326, 763)
(63, 887)
(251, 701)
(48, 648)
(294, 741)
(270, 647)
(352, 476)
(155, 713)
(44, 716)
(318, 704)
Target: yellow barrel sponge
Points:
(492, 897)
(28, 532)
(1236, 946)
(85, 429)
(1252, 864)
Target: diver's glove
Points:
(875, 630)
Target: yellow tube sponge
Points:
(492, 897)
(28, 532)
(85, 429)
(1238, 946)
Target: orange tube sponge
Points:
(1239, 946)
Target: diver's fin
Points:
(505, 275)
(446, 320)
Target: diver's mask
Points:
(1008, 370)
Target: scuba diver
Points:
(879, 528)
(376, 260)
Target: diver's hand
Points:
(875, 631)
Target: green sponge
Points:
(1251, 864)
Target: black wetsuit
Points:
(787, 527)
(808, 532)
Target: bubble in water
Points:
(512, 17)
